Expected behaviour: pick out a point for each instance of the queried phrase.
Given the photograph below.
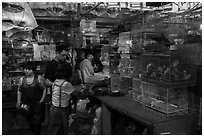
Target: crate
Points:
(169, 68)
(166, 100)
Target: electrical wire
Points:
(195, 6)
(191, 9)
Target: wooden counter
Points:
(156, 122)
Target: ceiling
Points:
(77, 11)
(103, 12)
(26, 16)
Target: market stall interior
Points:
(149, 53)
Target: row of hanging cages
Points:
(162, 33)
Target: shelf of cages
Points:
(166, 100)
(168, 69)
(147, 40)
(169, 101)
(159, 81)
(163, 83)
(123, 69)
(143, 41)
(154, 66)
(158, 33)
(130, 42)
(10, 83)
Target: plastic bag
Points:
(24, 110)
(97, 124)
(81, 105)
(81, 123)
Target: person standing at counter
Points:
(59, 111)
(67, 62)
(51, 68)
(72, 57)
(50, 74)
(31, 93)
(80, 58)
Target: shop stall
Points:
(150, 53)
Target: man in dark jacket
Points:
(61, 54)
(51, 68)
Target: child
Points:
(62, 91)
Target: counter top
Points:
(137, 111)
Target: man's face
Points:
(90, 58)
(62, 55)
(28, 72)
